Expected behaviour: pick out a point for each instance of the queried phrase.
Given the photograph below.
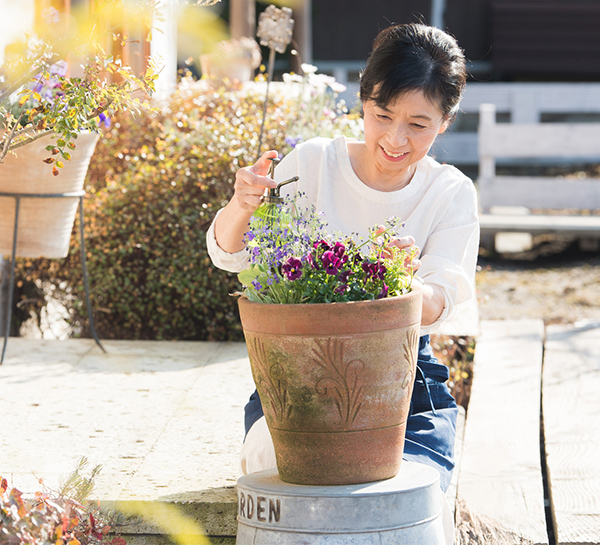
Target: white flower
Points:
(308, 68)
(292, 78)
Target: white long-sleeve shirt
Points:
(438, 206)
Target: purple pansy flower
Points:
(374, 270)
(331, 263)
(321, 245)
(344, 275)
(384, 292)
(292, 268)
(340, 251)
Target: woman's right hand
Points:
(251, 183)
(231, 224)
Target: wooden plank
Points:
(516, 99)
(574, 225)
(500, 483)
(552, 97)
(540, 140)
(539, 192)
(456, 148)
(451, 493)
(571, 381)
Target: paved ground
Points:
(164, 419)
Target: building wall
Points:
(552, 38)
(345, 29)
(505, 40)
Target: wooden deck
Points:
(529, 468)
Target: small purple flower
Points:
(292, 268)
(384, 292)
(321, 245)
(344, 275)
(368, 268)
(257, 285)
(341, 289)
(293, 142)
(331, 263)
(104, 120)
(340, 251)
(59, 68)
(374, 270)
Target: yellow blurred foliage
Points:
(181, 529)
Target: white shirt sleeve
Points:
(235, 262)
(450, 254)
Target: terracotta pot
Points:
(45, 225)
(335, 382)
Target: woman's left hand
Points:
(400, 243)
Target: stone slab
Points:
(164, 419)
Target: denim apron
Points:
(431, 425)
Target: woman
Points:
(410, 92)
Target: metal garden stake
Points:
(275, 28)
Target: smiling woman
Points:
(410, 90)
(397, 136)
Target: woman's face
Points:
(400, 134)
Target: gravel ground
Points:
(554, 281)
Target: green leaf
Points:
(248, 275)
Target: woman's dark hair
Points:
(415, 57)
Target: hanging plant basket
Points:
(45, 224)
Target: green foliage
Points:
(50, 101)
(458, 354)
(299, 261)
(154, 185)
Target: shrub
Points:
(154, 185)
(64, 517)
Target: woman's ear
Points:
(444, 126)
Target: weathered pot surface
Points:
(335, 381)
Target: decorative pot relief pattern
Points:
(271, 379)
(410, 353)
(341, 380)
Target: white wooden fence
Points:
(522, 103)
(529, 141)
(518, 102)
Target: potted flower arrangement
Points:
(50, 119)
(331, 325)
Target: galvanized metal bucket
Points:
(404, 510)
